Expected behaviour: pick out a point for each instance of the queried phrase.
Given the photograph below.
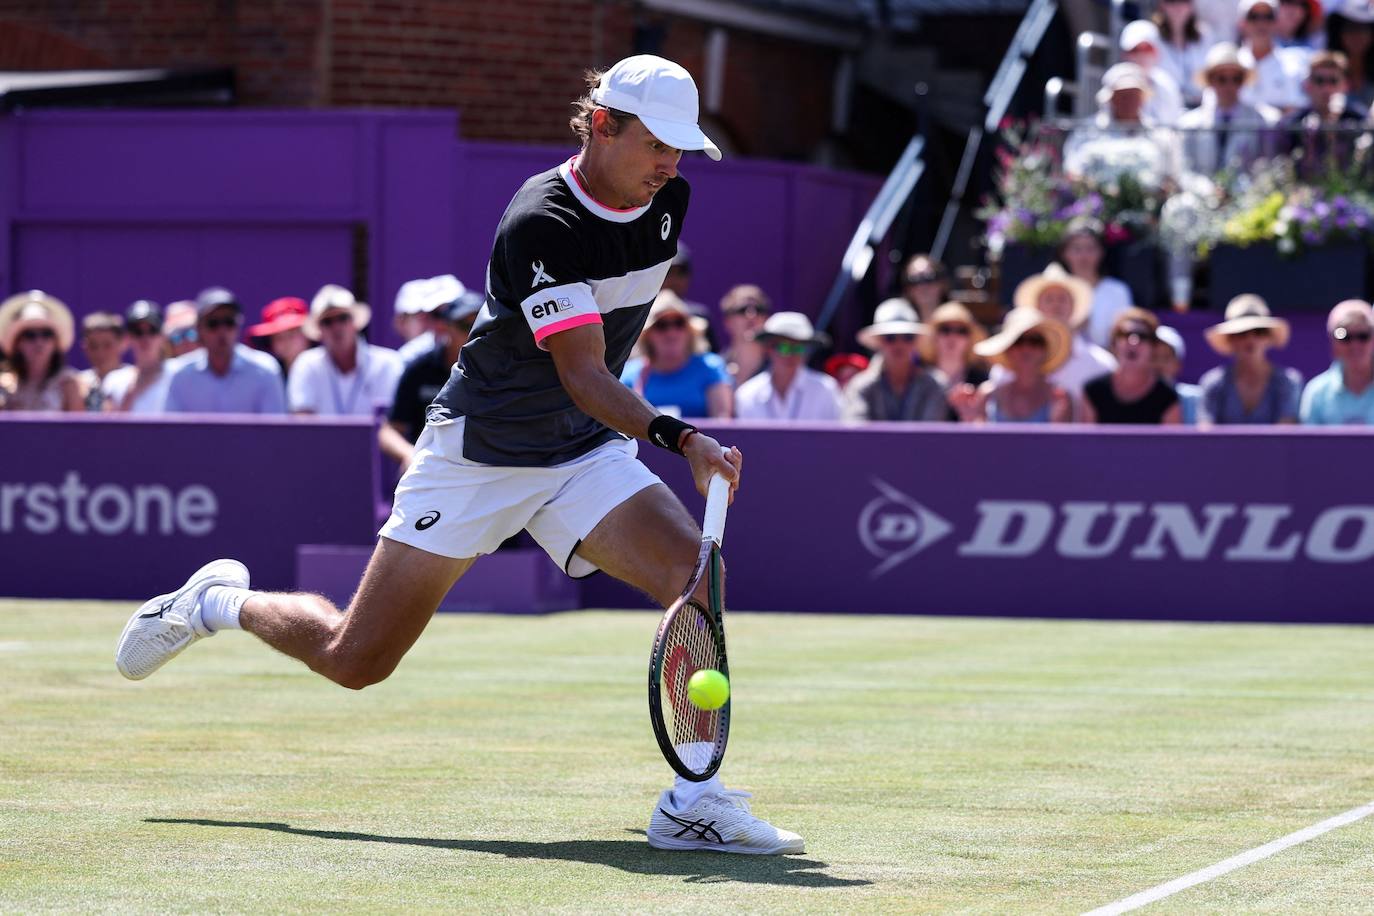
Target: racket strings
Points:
(690, 646)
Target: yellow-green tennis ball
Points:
(708, 689)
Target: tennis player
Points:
(533, 431)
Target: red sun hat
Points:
(279, 315)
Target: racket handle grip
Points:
(717, 499)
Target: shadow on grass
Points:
(635, 856)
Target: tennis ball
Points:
(708, 689)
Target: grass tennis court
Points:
(931, 764)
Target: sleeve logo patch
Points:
(540, 275)
(549, 308)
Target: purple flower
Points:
(1311, 238)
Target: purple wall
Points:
(104, 207)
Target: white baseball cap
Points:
(662, 95)
(1140, 32)
(428, 294)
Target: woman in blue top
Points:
(1249, 389)
(673, 372)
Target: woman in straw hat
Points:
(1068, 300)
(37, 331)
(948, 349)
(1249, 389)
(895, 387)
(673, 371)
(1134, 393)
(1029, 347)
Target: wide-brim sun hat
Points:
(1028, 292)
(895, 316)
(1020, 322)
(1220, 55)
(1246, 313)
(793, 326)
(668, 302)
(333, 297)
(949, 313)
(1361, 11)
(1125, 75)
(35, 308)
(662, 95)
(283, 314)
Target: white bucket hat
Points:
(662, 95)
(330, 297)
(792, 326)
(895, 316)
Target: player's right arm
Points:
(579, 354)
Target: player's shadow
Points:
(634, 856)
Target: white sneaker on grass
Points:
(718, 822)
(164, 626)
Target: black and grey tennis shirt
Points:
(560, 260)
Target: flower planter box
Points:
(1311, 282)
(1137, 264)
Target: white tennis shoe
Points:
(164, 626)
(718, 822)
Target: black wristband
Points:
(666, 432)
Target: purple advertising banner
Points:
(1256, 524)
(114, 507)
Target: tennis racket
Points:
(691, 637)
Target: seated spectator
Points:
(422, 302)
(1029, 347)
(1350, 30)
(179, 327)
(1278, 71)
(425, 377)
(224, 376)
(745, 308)
(1344, 394)
(345, 376)
(1169, 355)
(843, 367)
(1249, 389)
(282, 320)
(679, 281)
(948, 350)
(673, 370)
(103, 342)
(788, 390)
(1122, 131)
(1183, 47)
(925, 284)
(1081, 253)
(1310, 128)
(895, 387)
(1225, 133)
(1140, 44)
(1134, 393)
(1299, 25)
(36, 331)
(1068, 300)
(142, 387)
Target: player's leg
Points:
(649, 541)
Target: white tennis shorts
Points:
(454, 507)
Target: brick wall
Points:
(510, 68)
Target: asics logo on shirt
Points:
(666, 227)
(540, 275)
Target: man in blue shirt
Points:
(1344, 394)
(224, 376)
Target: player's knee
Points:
(356, 667)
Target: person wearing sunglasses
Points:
(103, 341)
(1140, 45)
(1344, 394)
(1313, 129)
(1184, 41)
(1278, 71)
(1250, 388)
(36, 332)
(744, 309)
(224, 376)
(142, 387)
(925, 284)
(895, 387)
(1224, 132)
(673, 369)
(345, 376)
(1134, 393)
(1029, 348)
(948, 350)
(179, 327)
(788, 390)
(1068, 300)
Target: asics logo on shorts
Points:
(427, 520)
(540, 275)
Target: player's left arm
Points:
(579, 355)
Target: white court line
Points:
(1135, 901)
